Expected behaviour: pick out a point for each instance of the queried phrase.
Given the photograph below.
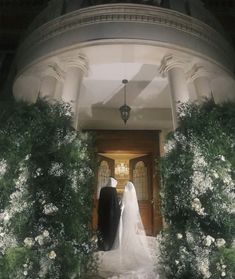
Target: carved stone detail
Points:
(126, 13)
(200, 71)
(51, 69)
(78, 61)
(171, 61)
(55, 71)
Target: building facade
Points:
(170, 52)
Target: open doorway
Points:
(118, 165)
(130, 155)
(136, 168)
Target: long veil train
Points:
(130, 253)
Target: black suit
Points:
(108, 217)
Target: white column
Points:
(202, 81)
(48, 85)
(174, 68)
(51, 77)
(76, 67)
(58, 90)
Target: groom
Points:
(108, 215)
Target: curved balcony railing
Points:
(126, 13)
(56, 8)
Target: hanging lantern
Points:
(125, 109)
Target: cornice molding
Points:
(127, 13)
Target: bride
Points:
(130, 255)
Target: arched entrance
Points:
(130, 155)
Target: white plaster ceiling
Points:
(102, 92)
(145, 89)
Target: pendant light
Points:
(125, 109)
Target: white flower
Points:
(42, 201)
(39, 239)
(27, 157)
(208, 240)
(224, 266)
(38, 172)
(223, 274)
(6, 216)
(52, 255)
(197, 206)
(179, 235)
(222, 158)
(198, 159)
(200, 183)
(29, 242)
(3, 167)
(215, 174)
(45, 233)
(169, 145)
(189, 237)
(179, 137)
(56, 169)
(220, 242)
(25, 272)
(50, 209)
(203, 266)
(15, 196)
(177, 262)
(227, 179)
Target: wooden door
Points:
(141, 174)
(105, 170)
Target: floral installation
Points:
(46, 178)
(198, 194)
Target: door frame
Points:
(135, 142)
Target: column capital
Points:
(171, 61)
(198, 71)
(77, 61)
(55, 71)
(51, 70)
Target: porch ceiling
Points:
(145, 89)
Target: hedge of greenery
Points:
(198, 195)
(46, 186)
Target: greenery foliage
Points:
(198, 195)
(46, 186)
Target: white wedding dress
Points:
(131, 255)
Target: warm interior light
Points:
(122, 169)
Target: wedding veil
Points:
(130, 251)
